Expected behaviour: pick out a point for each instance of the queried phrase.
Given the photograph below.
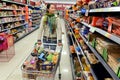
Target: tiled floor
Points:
(12, 70)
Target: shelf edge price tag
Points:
(108, 35)
(92, 29)
(105, 54)
(86, 13)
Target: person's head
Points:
(50, 8)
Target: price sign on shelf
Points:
(86, 13)
(92, 29)
(108, 35)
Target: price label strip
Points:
(105, 54)
(86, 13)
(108, 35)
(92, 29)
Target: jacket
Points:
(45, 31)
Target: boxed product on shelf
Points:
(85, 65)
(88, 75)
(109, 51)
(103, 4)
(97, 22)
(113, 25)
(77, 67)
(91, 57)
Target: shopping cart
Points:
(31, 73)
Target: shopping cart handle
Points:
(51, 44)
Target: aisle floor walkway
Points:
(12, 70)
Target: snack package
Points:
(97, 22)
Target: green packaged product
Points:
(49, 57)
(110, 52)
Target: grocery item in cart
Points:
(36, 68)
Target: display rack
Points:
(25, 27)
(13, 27)
(78, 56)
(13, 2)
(71, 59)
(102, 12)
(26, 34)
(83, 54)
(110, 9)
(104, 33)
(111, 72)
(11, 16)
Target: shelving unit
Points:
(13, 2)
(13, 27)
(12, 21)
(104, 33)
(111, 9)
(78, 56)
(27, 34)
(71, 59)
(5, 9)
(111, 72)
(11, 16)
(81, 54)
(24, 28)
(112, 37)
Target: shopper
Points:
(50, 28)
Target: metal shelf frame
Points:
(111, 9)
(104, 33)
(111, 72)
(8, 1)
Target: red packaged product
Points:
(97, 22)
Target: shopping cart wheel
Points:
(59, 76)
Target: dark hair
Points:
(48, 6)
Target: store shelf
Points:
(91, 70)
(111, 72)
(11, 16)
(12, 21)
(36, 13)
(7, 9)
(30, 6)
(78, 54)
(26, 35)
(9, 1)
(13, 27)
(104, 33)
(111, 9)
(71, 60)
(19, 26)
(36, 18)
(88, 62)
(77, 42)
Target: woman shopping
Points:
(50, 28)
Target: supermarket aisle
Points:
(12, 71)
(65, 59)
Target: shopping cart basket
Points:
(34, 69)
